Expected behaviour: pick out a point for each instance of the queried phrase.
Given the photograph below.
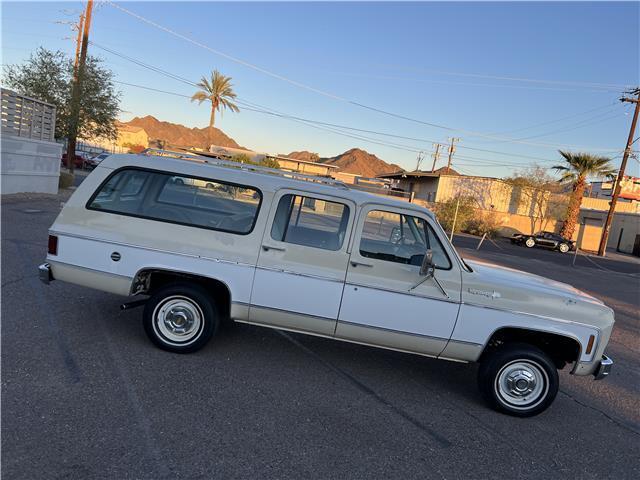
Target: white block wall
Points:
(28, 165)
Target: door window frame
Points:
(348, 235)
(356, 237)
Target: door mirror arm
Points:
(427, 270)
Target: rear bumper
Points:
(44, 272)
(604, 368)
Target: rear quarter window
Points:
(185, 200)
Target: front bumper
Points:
(44, 272)
(604, 368)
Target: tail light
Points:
(53, 245)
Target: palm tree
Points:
(578, 167)
(219, 91)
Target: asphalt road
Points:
(86, 395)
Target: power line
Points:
(326, 126)
(331, 95)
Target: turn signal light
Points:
(53, 245)
(590, 344)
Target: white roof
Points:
(261, 177)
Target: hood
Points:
(499, 277)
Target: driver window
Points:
(400, 238)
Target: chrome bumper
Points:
(604, 368)
(44, 272)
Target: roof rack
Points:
(211, 159)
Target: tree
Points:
(48, 75)
(580, 166)
(219, 91)
(538, 192)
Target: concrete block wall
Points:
(28, 165)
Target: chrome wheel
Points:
(178, 320)
(522, 384)
(530, 242)
(563, 247)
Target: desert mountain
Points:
(352, 161)
(176, 134)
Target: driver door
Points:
(386, 302)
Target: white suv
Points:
(202, 240)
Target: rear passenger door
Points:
(302, 263)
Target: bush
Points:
(481, 224)
(447, 211)
(65, 180)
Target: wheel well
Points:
(146, 282)
(561, 349)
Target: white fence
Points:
(27, 117)
(29, 152)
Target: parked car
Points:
(79, 161)
(308, 255)
(92, 163)
(549, 240)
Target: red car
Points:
(79, 160)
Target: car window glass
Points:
(179, 199)
(311, 222)
(400, 238)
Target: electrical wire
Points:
(334, 96)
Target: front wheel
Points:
(530, 242)
(180, 318)
(519, 380)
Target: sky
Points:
(514, 81)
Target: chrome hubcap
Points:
(522, 384)
(178, 319)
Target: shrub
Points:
(447, 211)
(483, 223)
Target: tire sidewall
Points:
(491, 367)
(565, 245)
(195, 294)
(530, 240)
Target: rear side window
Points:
(311, 222)
(179, 199)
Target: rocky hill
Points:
(355, 161)
(176, 134)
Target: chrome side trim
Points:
(299, 274)
(389, 290)
(151, 249)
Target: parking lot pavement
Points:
(85, 395)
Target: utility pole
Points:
(436, 156)
(618, 185)
(78, 42)
(76, 93)
(419, 160)
(452, 149)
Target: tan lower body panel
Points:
(272, 317)
(462, 351)
(394, 340)
(107, 282)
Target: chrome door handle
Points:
(266, 248)
(355, 263)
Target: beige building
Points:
(285, 163)
(127, 136)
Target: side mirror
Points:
(427, 268)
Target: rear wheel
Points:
(530, 242)
(180, 318)
(563, 248)
(519, 380)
